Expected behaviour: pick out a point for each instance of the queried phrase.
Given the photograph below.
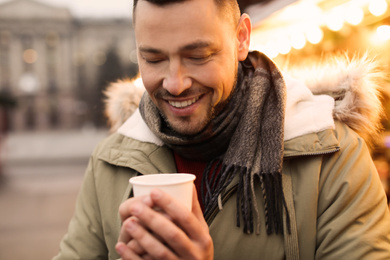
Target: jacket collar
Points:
(136, 128)
(138, 155)
(353, 82)
(306, 113)
(323, 142)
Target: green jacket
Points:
(337, 205)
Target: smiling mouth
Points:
(183, 104)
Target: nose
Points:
(176, 81)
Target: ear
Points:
(243, 34)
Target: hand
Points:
(172, 232)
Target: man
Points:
(276, 179)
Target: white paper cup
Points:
(178, 185)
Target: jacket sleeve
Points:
(85, 239)
(353, 217)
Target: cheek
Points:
(150, 81)
(220, 79)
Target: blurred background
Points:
(56, 57)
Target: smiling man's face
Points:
(188, 56)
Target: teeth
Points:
(181, 104)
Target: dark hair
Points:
(158, 2)
(227, 7)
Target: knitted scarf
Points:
(245, 140)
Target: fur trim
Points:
(122, 99)
(355, 84)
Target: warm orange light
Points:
(270, 49)
(283, 45)
(377, 7)
(335, 19)
(380, 36)
(298, 41)
(314, 35)
(354, 15)
(383, 32)
(30, 56)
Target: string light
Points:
(383, 32)
(377, 7)
(299, 34)
(335, 19)
(270, 50)
(298, 40)
(354, 15)
(314, 35)
(283, 45)
(380, 36)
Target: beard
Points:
(188, 126)
(191, 126)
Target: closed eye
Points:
(199, 59)
(152, 60)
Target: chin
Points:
(186, 127)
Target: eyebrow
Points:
(188, 47)
(196, 45)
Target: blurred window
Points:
(4, 60)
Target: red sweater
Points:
(184, 165)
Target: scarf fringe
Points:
(214, 182)
(213, 185)
(274, 203)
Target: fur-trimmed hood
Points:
(349, 88)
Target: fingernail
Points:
(131, 225)
(147, 200)
(135, 209)
(119, 248)
(156, 193)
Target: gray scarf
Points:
(245, 139)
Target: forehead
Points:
(144, 8)
(178, 23)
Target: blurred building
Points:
(56, 65)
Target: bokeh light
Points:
(335, 19)
(377, 7)
(314, 34)
(298, 40)
(354, 15)
(30, 56)
(383, 32)
(323, 23)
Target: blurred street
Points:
(40, 179)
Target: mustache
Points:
(164, 94)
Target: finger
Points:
(124, 236)
(136, 247)
(181, 216)
(152, 246)
(184, 232)
(180, 240)
(125, 252)
(196, 208)
(125, 207)
(147, 257)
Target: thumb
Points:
(196, 209)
